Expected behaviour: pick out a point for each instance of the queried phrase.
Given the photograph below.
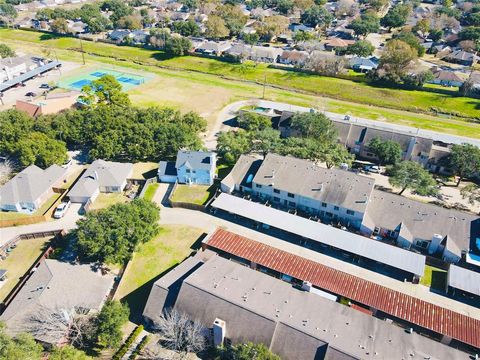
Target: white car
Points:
(61, 210)
(67, 164)
(373, 169)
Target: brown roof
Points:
(28, 107)
(337, 42)
(436, 318)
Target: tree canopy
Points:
(411, 175)
(111, 235)
(397, 16)
(387, 151)
(366, 24)
(396, 60)
(6, 51)
(316, 16)
(109, 323)
(106, 90)
(464, 160)
(361, 48)
(22, 346)
(246, 351)
(67, 352)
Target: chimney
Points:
(436, 240)
(219, 329)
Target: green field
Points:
(170, 247)
(434, 278)
(207, 85)
(194, 194)
(150, 192)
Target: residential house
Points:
(56, 287)
(462, 57)
(294, 323)
(15, 66)
(29, 189)
(446, 78)
(335, 43)
(100, 177)
(293, 57)
(191, 167)
(265, 54)
(213, 48)
(361, 64)
(300, 27)
(118, 35)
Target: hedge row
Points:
(141, 345)
(126, 345)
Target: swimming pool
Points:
(127, 80)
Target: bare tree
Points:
(180, 334)
(73, 325)
(6, 170)
(326, 64)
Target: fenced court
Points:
(126, 79)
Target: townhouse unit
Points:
(331, 194)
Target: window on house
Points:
(290, 195)
(336, 208)
(291, 203)
(193, 171)
(350, 212)
(276, 191)
(324, 204)
(276, 199)
(329, 214)
(187, 171)
(258, 186)
(423, 244)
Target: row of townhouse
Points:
(342, 197)
(356, 136)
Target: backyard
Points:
(169, 248)
(19, 261)
(150, 192)
(193, 194)
(105, 200)
(144, 170)
(207, 86)
(434, 278)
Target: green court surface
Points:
(126, 79)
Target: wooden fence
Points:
(145, 186)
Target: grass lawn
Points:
(195, 194)
(11, 215)
(170, 247)
(144, 170)
(150, 192)
(105, 200)
(434, 278)
(223, 170)
(208, 85)
(19, 261)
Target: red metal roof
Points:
(406, 307)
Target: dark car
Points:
(44, 86)
(30, 93)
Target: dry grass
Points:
(144, 170)
(105, 200)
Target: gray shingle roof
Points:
(56, 285)
(29, 184)
(295, 324)
(304, 178)
(422, 220)
(101, 173)
(464, 279)
(197, 160)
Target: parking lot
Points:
(51, 77)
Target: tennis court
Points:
(127, 80)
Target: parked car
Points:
(30, 93)
(44, 86)
(346, 117)
(61, 210)
(372, 168)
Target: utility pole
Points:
(81, 49)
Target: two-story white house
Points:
(191, 167)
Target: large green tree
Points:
(367, 23)
(387, 151)
(109, 324)
(361, 48)
(6, 51)
(111, 235)
(464, 160)
(107, 91)
(411, 175)
(22, 346)
(251, 121)
(396, 61)
(232, 144)
(67, 352)
(314, 125)
(37, 148)
(397, 16)
(316, 16)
